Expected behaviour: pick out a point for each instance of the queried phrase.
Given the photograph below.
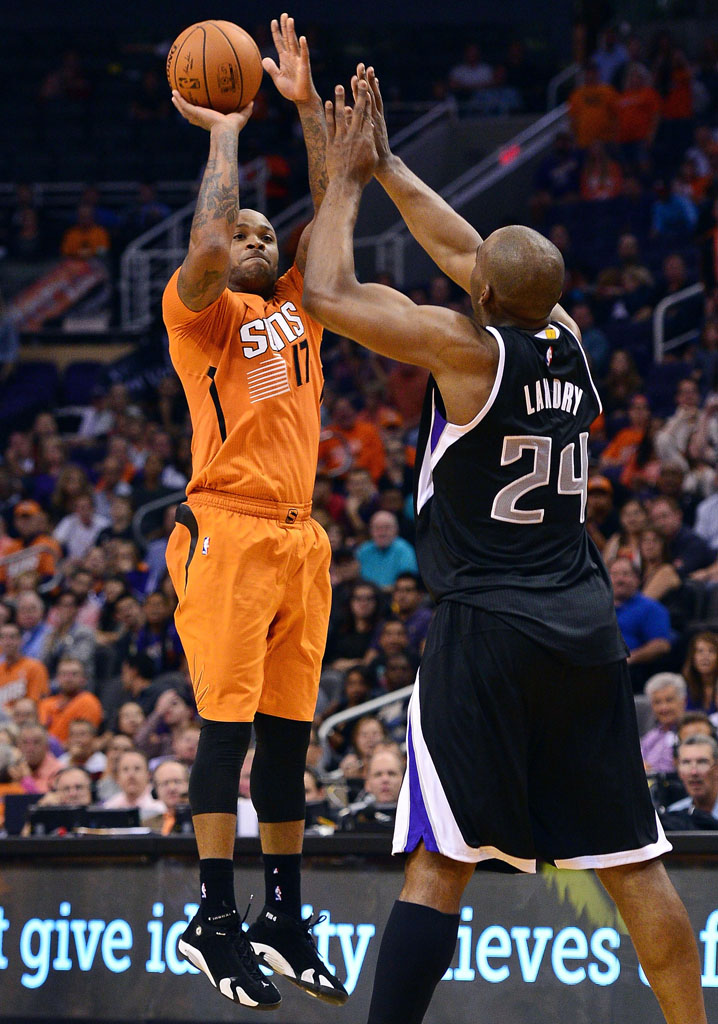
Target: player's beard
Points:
(257, 278)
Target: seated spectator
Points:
(610, 56)
(133, 778)
(31, 620)
(107, 785)
(601, 519)
(695, 723)
(362, 439)
(601, 177)
(130, 717)
(384, 773)
(644, 623)
(67, 637)
(148, 210)
(594, 341)
(86, 239)
(625, 543)
(399, 672)
(558, 177)
(73, 701)
(686, 550)
(697, 763)
(20, 676)
(634, 296)
(357, 689)
(158, 637)
(593, 109)
(171, 783)
(41, 551)
(639, 111)
(703, 444)
(706, 524)
(36, 753)
(71, 787)
(392, 639)
(705, 357)
(621, 384)
(120, 524)
(409, 605)
(81, 752)
(618, 452)
(137, 674)
(171, 716)
(658, 576)
(471, 75)
(351, 637)
(362, 501)
(156, 552)
(78, 532)
(672, 214)
(701, 673)
(366, 733)
(667, 693)
(71, 483)
(386, 554)
(184, 744)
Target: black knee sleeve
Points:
(214, 779)
(277, 779)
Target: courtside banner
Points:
(100, 943)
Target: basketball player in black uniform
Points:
(522, 737)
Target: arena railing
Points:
(153, 506)
(391, 246)
(661, 344)
(369, 706)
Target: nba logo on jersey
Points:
(549, 355)
(205, 546)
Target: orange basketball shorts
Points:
(252, 580)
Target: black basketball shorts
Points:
(514, 754)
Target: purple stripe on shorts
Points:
(437, 429)
(419, 824)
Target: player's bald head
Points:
(518, 277)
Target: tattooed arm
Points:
(293, 79)
(205, 270)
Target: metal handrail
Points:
(557, 81)
(152, 506)
(363, 709)
(660, 346)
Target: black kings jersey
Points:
(501, 501)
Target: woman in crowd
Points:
(701, 673)
(350, 640)
(625, 542)
(658, 576)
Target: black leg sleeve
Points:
(416, 949)
(214, 779)
(277, 779)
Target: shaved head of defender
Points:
(517, 279)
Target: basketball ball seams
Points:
(236, 57)
(204, 64)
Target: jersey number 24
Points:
(504, 506)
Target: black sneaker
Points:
(227, 959)
(288, 947)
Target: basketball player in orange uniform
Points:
(250, 566)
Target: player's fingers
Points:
(291, 36)
(339, 103)
(270, 67)
(304, 49)
(376, 93)
(354, 84)
(277, 36)
(329, 118)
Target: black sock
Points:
(282, 882)
(416, 949)
(216, 876)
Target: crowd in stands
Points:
(95, 698)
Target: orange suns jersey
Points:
(252, 374)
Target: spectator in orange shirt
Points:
(593, 109)
(41, 551)
(363, 439)
(639, 109)
(86, 239)
(35, 750)
(601, 177)
(72, 702)
(19, 676)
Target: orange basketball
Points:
(215, 64)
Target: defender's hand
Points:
(293, 76)
(381, 136)
(208, 119)
(351, 153)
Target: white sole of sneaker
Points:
(236, 994)
(270, 957)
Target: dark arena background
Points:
(595, 123)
